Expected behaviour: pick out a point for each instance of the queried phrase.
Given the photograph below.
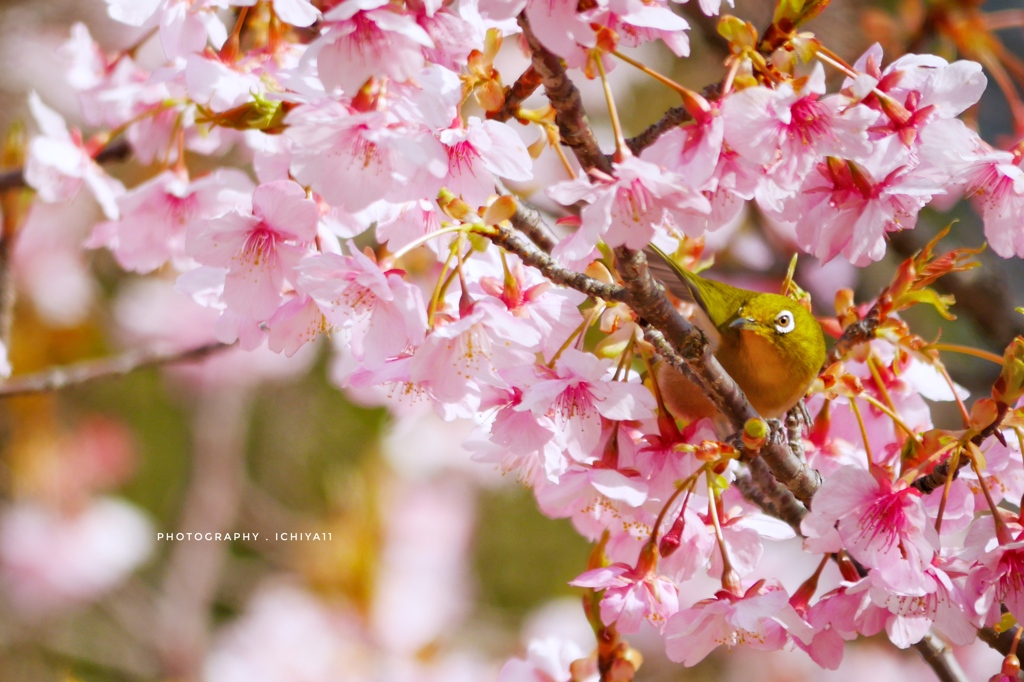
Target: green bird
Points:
(769, 344)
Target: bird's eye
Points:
(784, 322)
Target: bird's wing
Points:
(666, 273)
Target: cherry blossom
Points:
(353, 290)
(364, 38)
(882, 525)
(761, 619)
(259, 249)
(632, 594)
(790, 129)
(51, 560)
(579, 394)
(60, 164)
(156, 214)
(185, 25)
(625, 210)
(356, 159)
(480, 150)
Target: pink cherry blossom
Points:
(843, 207)
(691, 151)
(633, 594)
(761, 619)
(459, 362)
(453, 36)
(911, 617)
(353, 290)
(625, 210)
(51, 560)
(520, 441)
(998, 575)
(553, 311)
(882, 525)
(558, 25)
(480, 152)
(354, 160)
(547, 660)
(364, 38)
(790, 129)
(59, 164)
(579, 394)
(996, 184)
(156, 214)
(185, 25)
(259, 249)
(640, 22)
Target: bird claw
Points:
(777, 433)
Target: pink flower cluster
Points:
(364, 127)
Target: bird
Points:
(769, 344)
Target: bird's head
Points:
(784, 324)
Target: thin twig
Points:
(937, 478)
(573, 126)
(58, 378)
(516, 94)
(940, 659)
(672, 118)
(531, 255)
(529, 221)
(859, 332)
(115, 151)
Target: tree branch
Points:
(529, 221)
(940, 659)
(573, 125)
(516, 94)
(114, 151)
(672, 118)
(533, 256)
(855, 334)
(58, 378)
(937, 478)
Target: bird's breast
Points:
(772, 382)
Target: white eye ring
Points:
(784, 322)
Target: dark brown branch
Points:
(857, 333)
(940, 659)
(573, 126)
(534, 257)
(937, 478)
(115, 151)
(1000, 641)
(90, 370)
(516, 94)
(761, 488)
(672, 118)
(530, 222)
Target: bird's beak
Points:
(743, 323)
